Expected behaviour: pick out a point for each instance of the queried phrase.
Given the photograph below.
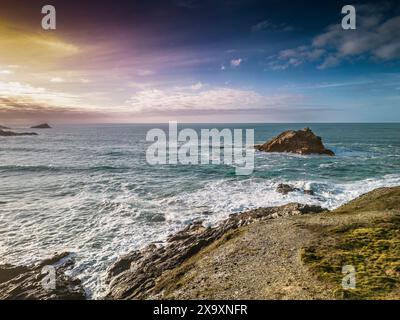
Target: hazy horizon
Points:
(27, 125)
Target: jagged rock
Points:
(301, 142)
(285, 188)
(12, 134)
(26, 282)
(134, 275)
(41, 126)
(309, 192)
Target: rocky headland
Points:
(6, 133)
(294, 251)
(302, 142)
(289, 252)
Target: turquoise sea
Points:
(88, 189)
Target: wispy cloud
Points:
(329, 85)
(267, 25)
(145, 72)
(5, 72)
(22, 45)
(375, 38)
(19, 93)
(295, 57)
(236, 62)
(57, 80)
(200, 98)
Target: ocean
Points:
(88, 189)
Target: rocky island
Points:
(302, 142)
(42, 126)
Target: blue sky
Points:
(200, 61)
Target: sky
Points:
(199, 61)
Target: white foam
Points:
(224, 197)
(121, 220)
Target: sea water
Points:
(88, 189)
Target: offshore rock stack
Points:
(302, 142)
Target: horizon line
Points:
(208, 123)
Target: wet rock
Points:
(134, 275)
(29, 282)
(285, 188)
(7, 133)
(309, 192)
(301, 142)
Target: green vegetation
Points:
(371, 244)
(383, 199)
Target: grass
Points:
(383, 199)
(371, 245)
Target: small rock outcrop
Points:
(287, 188)
(26, 282)
(134, 275)
(41, 126)
(3, 127)
(7, 133)
(301, 142)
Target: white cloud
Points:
(375, 38)
(194, 99)
(145, 72)
(19, 93)
(197, 86)
(57, 80)
(139, 85)
(295, 57)
(6, 72)
(236, 62)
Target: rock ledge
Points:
(26, 282)
(134, 275)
